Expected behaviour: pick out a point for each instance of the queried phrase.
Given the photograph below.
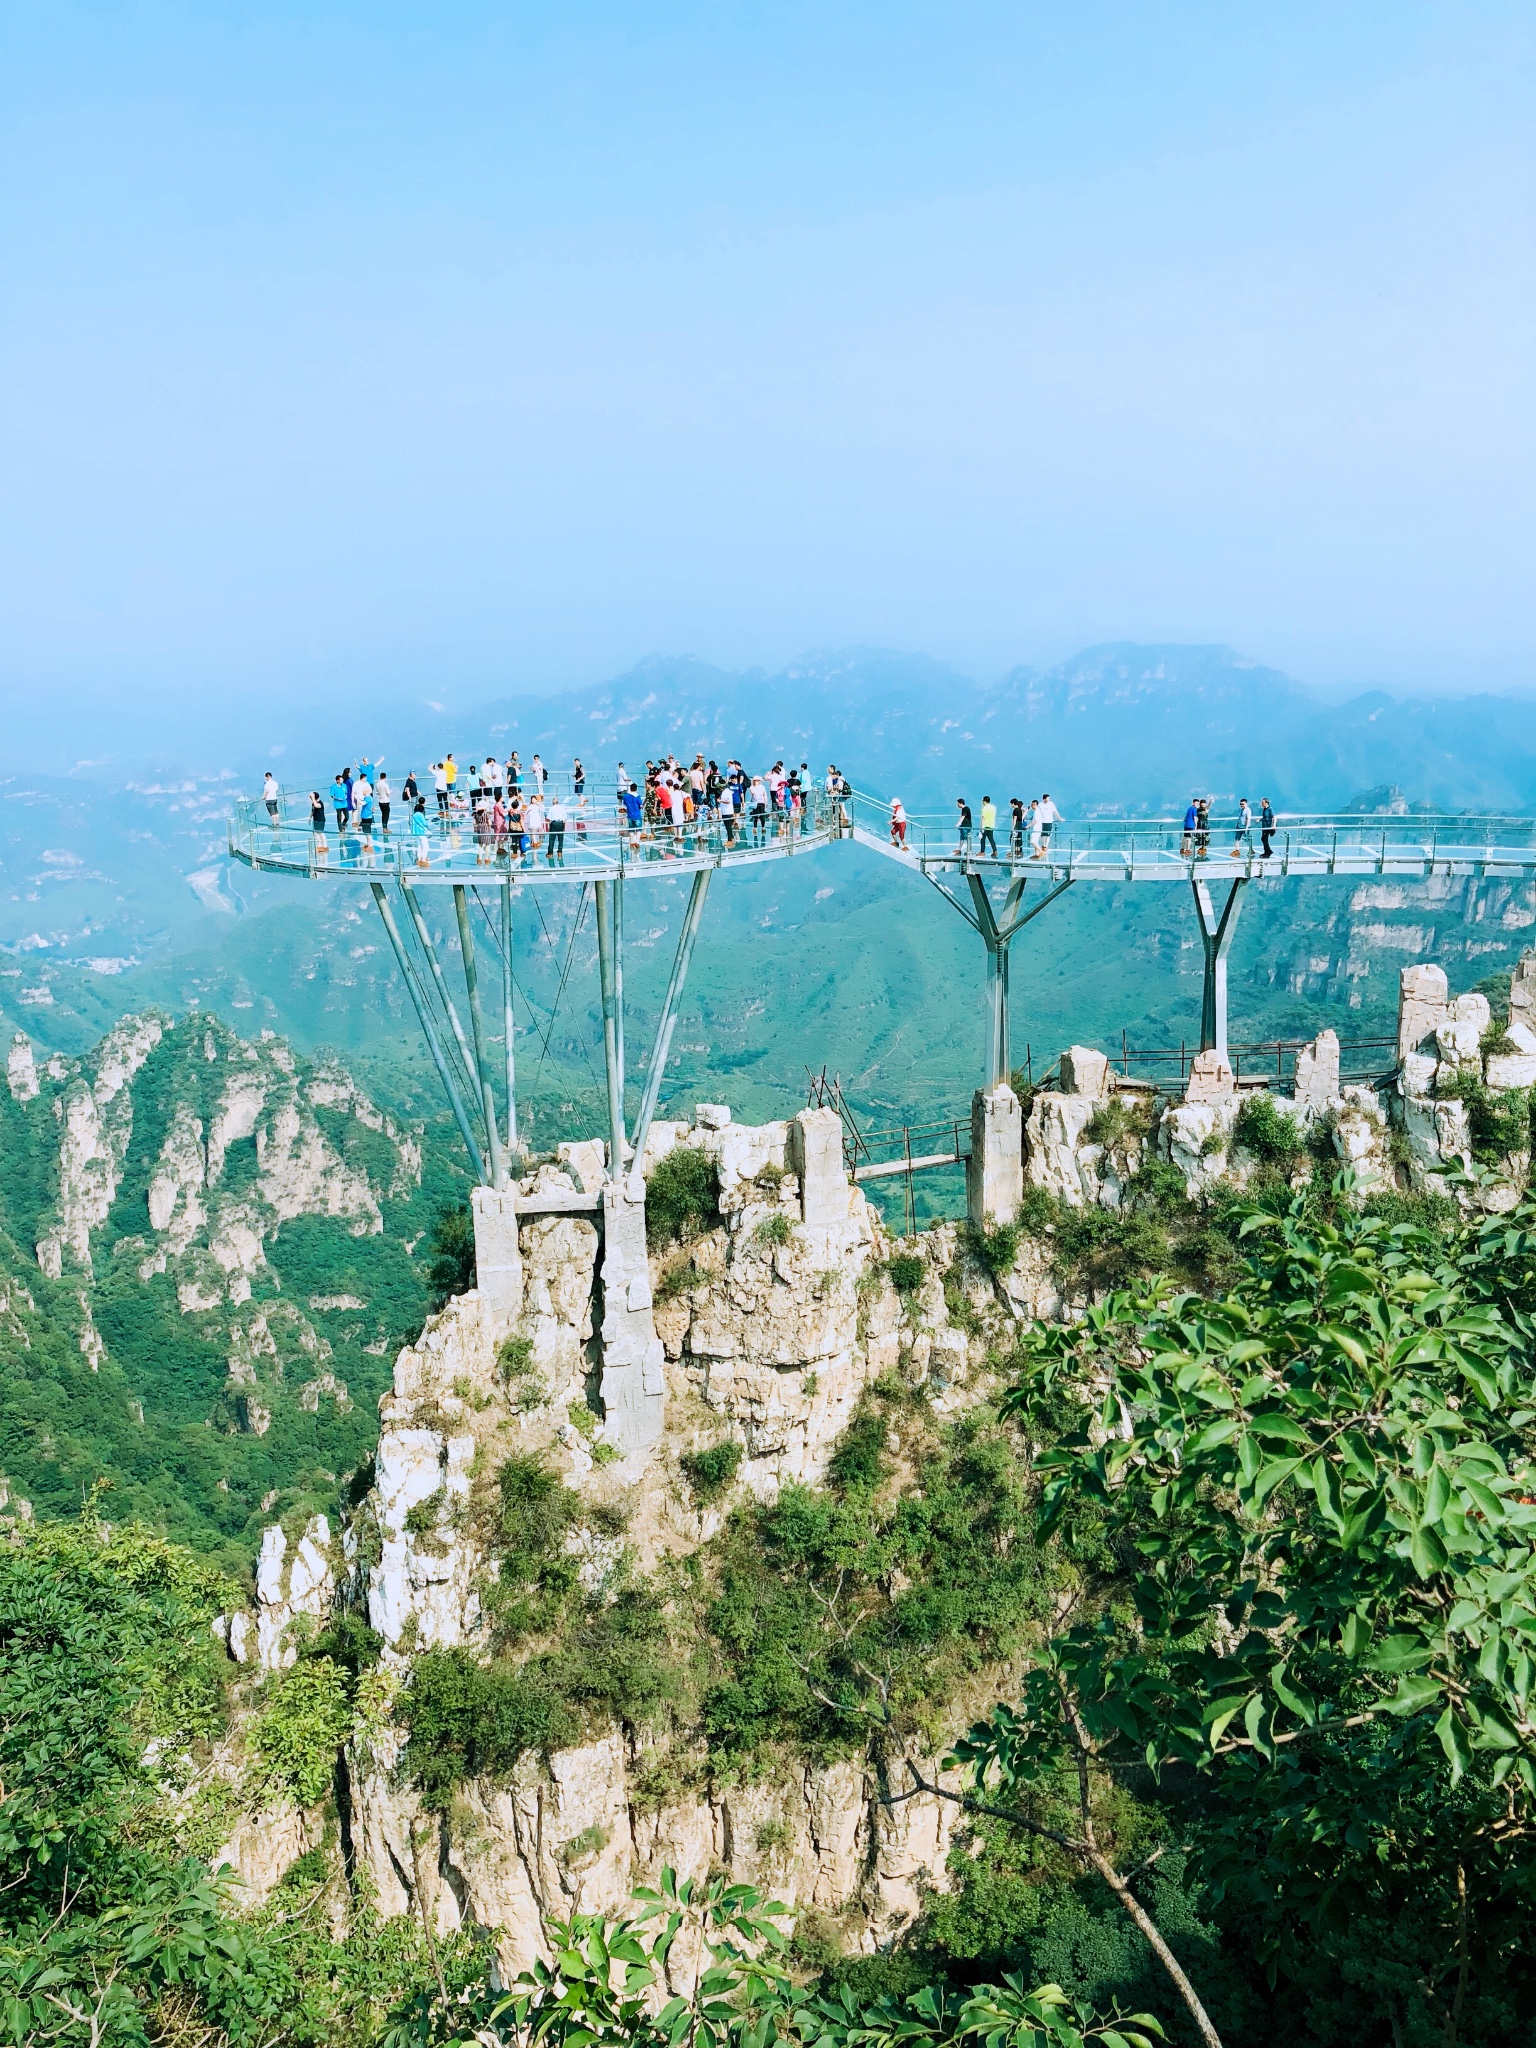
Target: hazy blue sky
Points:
(453, 347)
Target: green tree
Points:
(1321, 1494)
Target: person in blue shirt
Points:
(1191, 820)
(632, 813)
(341, 801)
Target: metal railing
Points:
(1313, 843)
(591, 841)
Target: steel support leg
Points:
(1216, 936)
(440, 982)
(997, 935)
(693, 917)
(477, 1025)
(613, 997)
(506, 1005)
(429, 1032)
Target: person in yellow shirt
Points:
(988, 828)
(451, 771)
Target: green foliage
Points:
(682, 1197)
(611, 1986)
(306, 1716)
(1320, 1489)
(1273, 1138)
(1499, 1121)
(774, 1229)
(907, 1271)
(711, 1473)
(993, 1250)
(467, 1720)
(538, 1576)
(933, 1583)
(1118, 1118)
(453, 1254)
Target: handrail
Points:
(594, 841)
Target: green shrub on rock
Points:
(682, 1197)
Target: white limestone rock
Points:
(1317, 1075)
(1515, 1068)
(1423, 1001)
(1085, 1072)
(21, 1069)
(1362, 1139)
(994, 1173)
(1196, 1138)
(1210, 1079)
(1054, 1146)
(289, 1585)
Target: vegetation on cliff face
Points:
(212, 1383)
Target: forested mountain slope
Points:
(211, 1251)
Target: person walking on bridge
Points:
(898, 822)
(1016, 827)
(1266, 827)
(1244, 829)
(270, 794)
(964, 828)
(988, 828)
(1191, 820)
(1047, 818)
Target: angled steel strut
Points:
(997, 934)
(429, 1031)
(1216, 936)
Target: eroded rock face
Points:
(579, 1838)
(291, 1583)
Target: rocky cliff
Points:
(219, 1230)
(726, 1363)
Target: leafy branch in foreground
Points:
(706, 1967)
(1321, 1490)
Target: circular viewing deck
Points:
(593, 847)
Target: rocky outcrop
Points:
(581, 1834)
(210, 1095)
(295, 1590)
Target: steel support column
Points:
(1216, 936)
(693, 917)
(440, 982)
(997, 935)
(477, 1025)
(611, 979)
(429, 1032)
(506, 1005)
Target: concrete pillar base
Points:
(994, 1173)
(816, 1159)
(634, 1379)
(498, 1260)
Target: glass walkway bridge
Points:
(997, 894)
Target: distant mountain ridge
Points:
(1121, 726)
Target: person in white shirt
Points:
(383, 799)
(1049, 820)
(536, 775)
(556, 813)
(269, 794)
(757, 797)
(440, 786)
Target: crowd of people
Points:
(525, 814)
(514, 813)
